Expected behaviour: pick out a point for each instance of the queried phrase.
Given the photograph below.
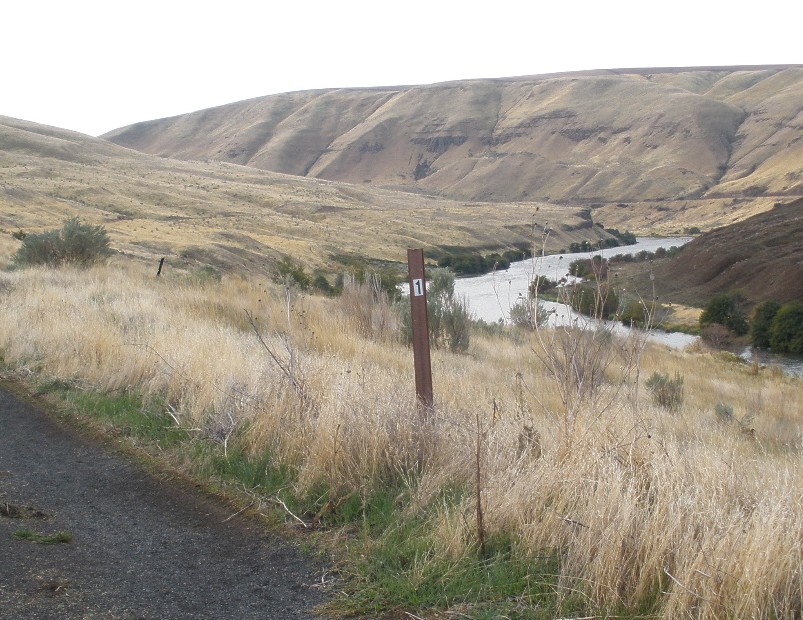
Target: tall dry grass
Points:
(702, 517)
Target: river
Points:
(491, 296)
(790, 365)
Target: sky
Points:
(93, 66)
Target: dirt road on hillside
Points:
(142, 548)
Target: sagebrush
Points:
(76, 243)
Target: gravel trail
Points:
(142, 547)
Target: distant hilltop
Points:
(596, 138)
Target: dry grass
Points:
(238, 218)
(704, 517)
(583, 138)
(678, 314)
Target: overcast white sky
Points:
(93, 66)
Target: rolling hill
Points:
(323, 175)
(761, 256)
(677, 147)
(237, 217)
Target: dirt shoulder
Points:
(141, 547)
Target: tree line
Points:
(772, 325)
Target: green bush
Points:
(635, 314)
(207, 275)
(528, 313)
(76, 243)
(588, 268)
(449, 319)
(456, 322)
(599, 302)
(289, 272)
(542, 284)
(321, 284)
(762, 323)
(786, 332)
(625, 238)
(666, 392)
(724, 413)
(473, 263)
(448, 316)
(726, 309)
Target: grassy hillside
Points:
(237, 217)
(674, 145)
(761, 256)
(596, 501)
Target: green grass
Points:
(257, 473)
(43, 539)
(127, 413)
(399, 569)
(692, 330)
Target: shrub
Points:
(289, 272)
(207, 275)
(76, 243)
(582, 246)
(518, 254)
(448, 316)
(717, 336)
(726, 309)
(472, 263)
(762, 322)
(528, 313)
(595, 267)
(626, 238)
(635, 314)
(456, 324)
(540, 285)
(786, 332)
(449, 319)
(724, 412)
(321, 284)
(666, 392)
(599, 302)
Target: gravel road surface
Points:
(142, 547)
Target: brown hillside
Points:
(761, 256)
(598, 138)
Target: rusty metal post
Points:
(420, 322)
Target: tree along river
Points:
(491, 296)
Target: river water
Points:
(790, 365)
(491, 296)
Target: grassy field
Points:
(546, 482)
(239, 219)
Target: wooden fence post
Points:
(420, 323)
